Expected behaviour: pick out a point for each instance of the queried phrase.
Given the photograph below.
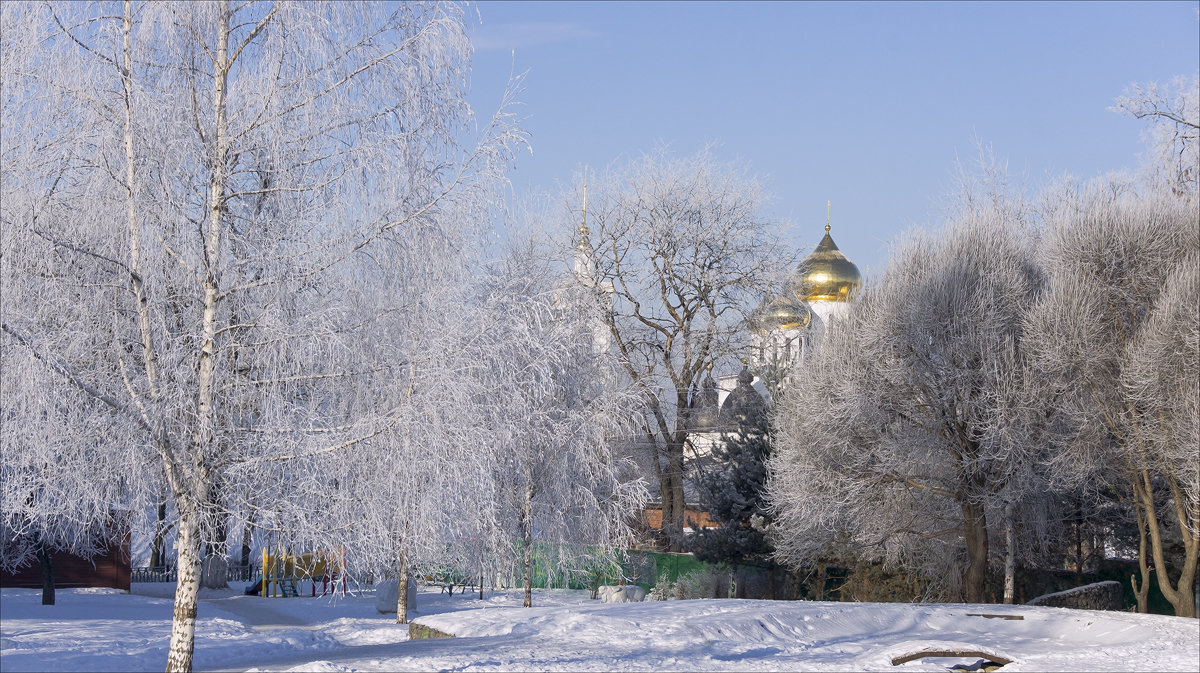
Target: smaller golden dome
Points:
(826, 274)
(781, 313)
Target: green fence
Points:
(583, 570)
(565, 567)
(655, 567)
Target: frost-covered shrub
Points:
(701, 583)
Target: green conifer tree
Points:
(734, 494)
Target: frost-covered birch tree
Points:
(206, 176)
(424, 491)
(559, 407)
(686, 249)
(903, 437)
(67, 466)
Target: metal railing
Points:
(170, 574)
(240, 573)
(153, 574)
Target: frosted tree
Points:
(682, 243)
(415, 495)
(1116, 343)
(559, 407)
(65, 484)
(67, 467)
(205, 180)
(1173, 137)
(904, 438)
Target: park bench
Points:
(449, 581)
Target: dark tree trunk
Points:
(673, 526)
(1078, 544)
(976, 534)
(247, 538)
(668, 509)
(215, 535)
(47, 564)
(1141, 591)
(160, 534)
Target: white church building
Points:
(783, 331)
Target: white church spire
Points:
(585, 254)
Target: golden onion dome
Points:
(781, 313)
(826, 274)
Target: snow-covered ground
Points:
(107, 630)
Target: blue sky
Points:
(868, 105)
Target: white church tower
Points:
(584, 267)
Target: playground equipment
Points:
(282, 571)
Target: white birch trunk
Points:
(187, 592)
(183, 631)
(135, 256)
(402, 587)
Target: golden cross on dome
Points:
(827, 206)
